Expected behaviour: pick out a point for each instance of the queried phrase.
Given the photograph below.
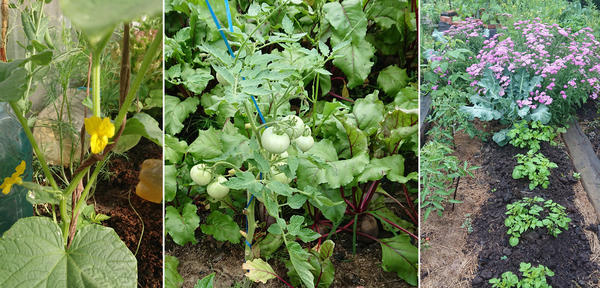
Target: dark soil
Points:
(568, 255)
(111, 198)
(225, 259)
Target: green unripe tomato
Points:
(216, 189)
(297, 127)
(304, 142)
(200, 174)
(273, 142)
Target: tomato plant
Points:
(309, 120)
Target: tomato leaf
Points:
(208, 144)
(176, 111)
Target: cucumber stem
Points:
(96, 67)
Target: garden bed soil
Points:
(573, 255)
(111, 198)
(447, 259)
(452, 257)
(207, 256)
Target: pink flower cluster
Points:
(558, 55)
(469, 28)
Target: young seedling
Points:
(528, 214)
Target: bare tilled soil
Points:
(111, 198)
(572, 255)
(451, 256)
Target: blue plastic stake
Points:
(228, 15)
(214, 16)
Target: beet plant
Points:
(276, 140)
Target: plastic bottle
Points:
(150, 186)
(14, 148)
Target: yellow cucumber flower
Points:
(15, 178)
(100, 130)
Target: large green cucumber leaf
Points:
(144, 125)
(33, 254)
(98, 18)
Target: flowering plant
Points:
(568, 63)
(40, 249)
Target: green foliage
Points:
(535, 167)
(448, 117)
(498, 103)
(206, 282)
(283, 50)
(36, 244)
(406, 265)
(532, 213)
(221, 227)
(319, 265)
(439, 169)
(82, 253)
(529, 135)
(349, 23)
(532, 277)
(172, 277)
(107, 15)
(181, 226)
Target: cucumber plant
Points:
(51, 242)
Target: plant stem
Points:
(225, 163)
(251, 227)
(96, 84)
(34, 145)
(395, 225)
(137, 82)
(366, 199)
(251, 119)
(90, 183)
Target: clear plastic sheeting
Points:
(14, 148)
